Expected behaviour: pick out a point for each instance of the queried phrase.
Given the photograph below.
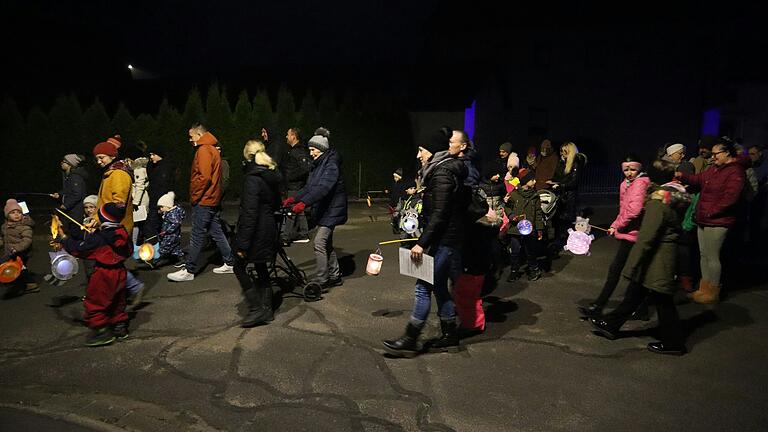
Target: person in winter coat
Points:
(116, 181)
(73, 190)
(492, 181)
(170, 233)
(624, 228)
(16, 241)
(295, 166)
(205, 198)
(565, 184)
(325, 193)
(442, 176)
(256, 234)
(650, 270)
(716, 212)
(140, 197)
(105, 295)
(523, 203)
(160, 177)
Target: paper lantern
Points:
(63, 265)
(578, 242)
(146, 252)
(373, 267)
(410, 222)
(10, 270)
(525, 227)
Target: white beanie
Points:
(91, 199)
(674, 148)
(167, 200)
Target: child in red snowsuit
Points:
(105, 300)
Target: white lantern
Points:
(373, 267)
(63, 265)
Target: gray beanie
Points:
(319, 142)
(73, 160)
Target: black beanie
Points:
(437, 142)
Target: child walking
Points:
(170, 233)
(105, 299)
(523, 203)
(16, 241)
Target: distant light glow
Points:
(710, 122)
(130, 67)
(469, 120)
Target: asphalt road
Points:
(319, 366)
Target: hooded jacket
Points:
(631, 202)
(443, 206)
(256, 227)
(205, 176)
(17, 236)
(116, 187)
(73, 191)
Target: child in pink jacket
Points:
(631, 201)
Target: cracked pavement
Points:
(319, 366)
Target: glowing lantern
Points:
(63, 265)
(10, 270)
(525, 227)
(146, 252)
(375, 261)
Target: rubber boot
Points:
(407, 345)
(708, 293)
(449, 338)
(259, 307)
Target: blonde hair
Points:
(572, 152)
(254, 151)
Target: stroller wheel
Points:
(313, 292)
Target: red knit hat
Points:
(105, 148)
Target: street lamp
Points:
(130, 67)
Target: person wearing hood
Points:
(205, 198)
(650, 269)
(326, 194)
(441, 177)
(73, 189)
(624, 228)
(16, 240)
(256, 232)
(117, 180)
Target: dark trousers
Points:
(669, 321)
(688, 255)
(527, 246)
(153, 224)
(614, 272)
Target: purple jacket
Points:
(631, 201)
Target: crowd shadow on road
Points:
(502, 316)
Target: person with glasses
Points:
(716, 212)
(624, 228)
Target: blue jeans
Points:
(447, 266)
(205, 220)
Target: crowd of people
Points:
(675, 216)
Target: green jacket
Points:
(524, 204)
(652, 260)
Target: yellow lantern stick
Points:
(82, 227)
(398, 241)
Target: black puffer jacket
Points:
(160, 176)
(567, 191)
(74, 191)
(256, 228)
(497, 188)
(325, 191)
(443, 204)
(295, 168)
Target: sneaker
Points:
(513, 276)
(224, 269)
(180, 264)
(534, 275)
(302, 240)
(99, 337)
(120, 330)
(181, 276)
(334, 283)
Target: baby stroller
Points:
(283, 268)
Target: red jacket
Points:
(205, 178)
(721, 188)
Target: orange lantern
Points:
(146, 252)
(10, 270)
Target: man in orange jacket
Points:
(205, 197)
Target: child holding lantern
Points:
(526, 228)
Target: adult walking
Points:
(716, 212)
(160, 176)
(325, 193)
(295, 168)
(442, 175)
(205, 197)
(256, 233)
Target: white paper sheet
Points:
(424, 270)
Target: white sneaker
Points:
(224, 269)
(181, 276)
(303, 240)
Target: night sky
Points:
(85, 46)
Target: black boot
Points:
(259, 306)
(407, 345)
(592, 311)
(606, 326)
(642, 313)
(449, 338)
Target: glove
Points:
(539, 235)
(299, 207)
(288, 201)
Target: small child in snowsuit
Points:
(523, 203)
(170, 233)
(16, 241)
(105, 299)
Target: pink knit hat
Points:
(11, 205)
